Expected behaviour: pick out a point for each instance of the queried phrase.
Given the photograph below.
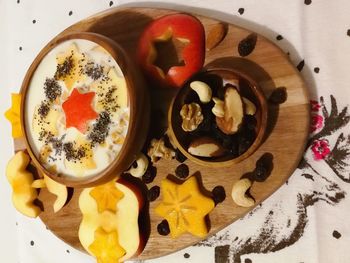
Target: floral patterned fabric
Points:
(306, 219)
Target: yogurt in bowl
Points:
(77, 108)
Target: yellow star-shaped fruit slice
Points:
(184, 207)
(106, 196)
(70, 65)
(106, 247)
(111, 92)
(14, 116)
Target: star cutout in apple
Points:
(78, 110)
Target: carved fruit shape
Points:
(23, 194)
(124, 221)
(59, 190)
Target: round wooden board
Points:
(287, 131)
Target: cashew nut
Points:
(249, 106)
(218, 109)
(203, 90)
(238, 193)
(142, 165)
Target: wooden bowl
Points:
(250, 90)
(138, 102)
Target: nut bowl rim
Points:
(255, 87)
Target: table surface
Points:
(306, 219)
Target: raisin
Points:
(149, 175)
(278, 96)
(191, 96)
(244, 143)
(260, 173)
(234, 148)
(182, 171)
(247, 45)
(227, 142)
(219, 194)
(264, 166)
(179, 156)
(249, 122)
(163, 228)
(153, 193)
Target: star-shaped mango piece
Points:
(106, 247)
(13, 115)
(111, 92)
(106, 196)
(78, 110)
(69, 66)
(184, 207)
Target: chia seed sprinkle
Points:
(100, 129)
(64, 68)
(94, 71)
(43, 109)
(52, 89)
(73, 154)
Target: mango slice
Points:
(70, 63)
(13, 115)
(23, 194)
(184, 207)
(106, 247)
(111, 92)
(106, 196)
(48, 124)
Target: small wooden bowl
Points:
(138, 101)
(252, 92)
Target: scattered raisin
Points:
(264, 166)
(278, 96)
(182, 171)
(153, 193)
(219, 194)
(260, 174)
(163, 228)
(149, 175)
(247, 45)
(179, 156)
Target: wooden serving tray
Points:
(287, 128)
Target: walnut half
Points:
(158, 150)
(191, 116)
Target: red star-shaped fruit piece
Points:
(78, 110)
